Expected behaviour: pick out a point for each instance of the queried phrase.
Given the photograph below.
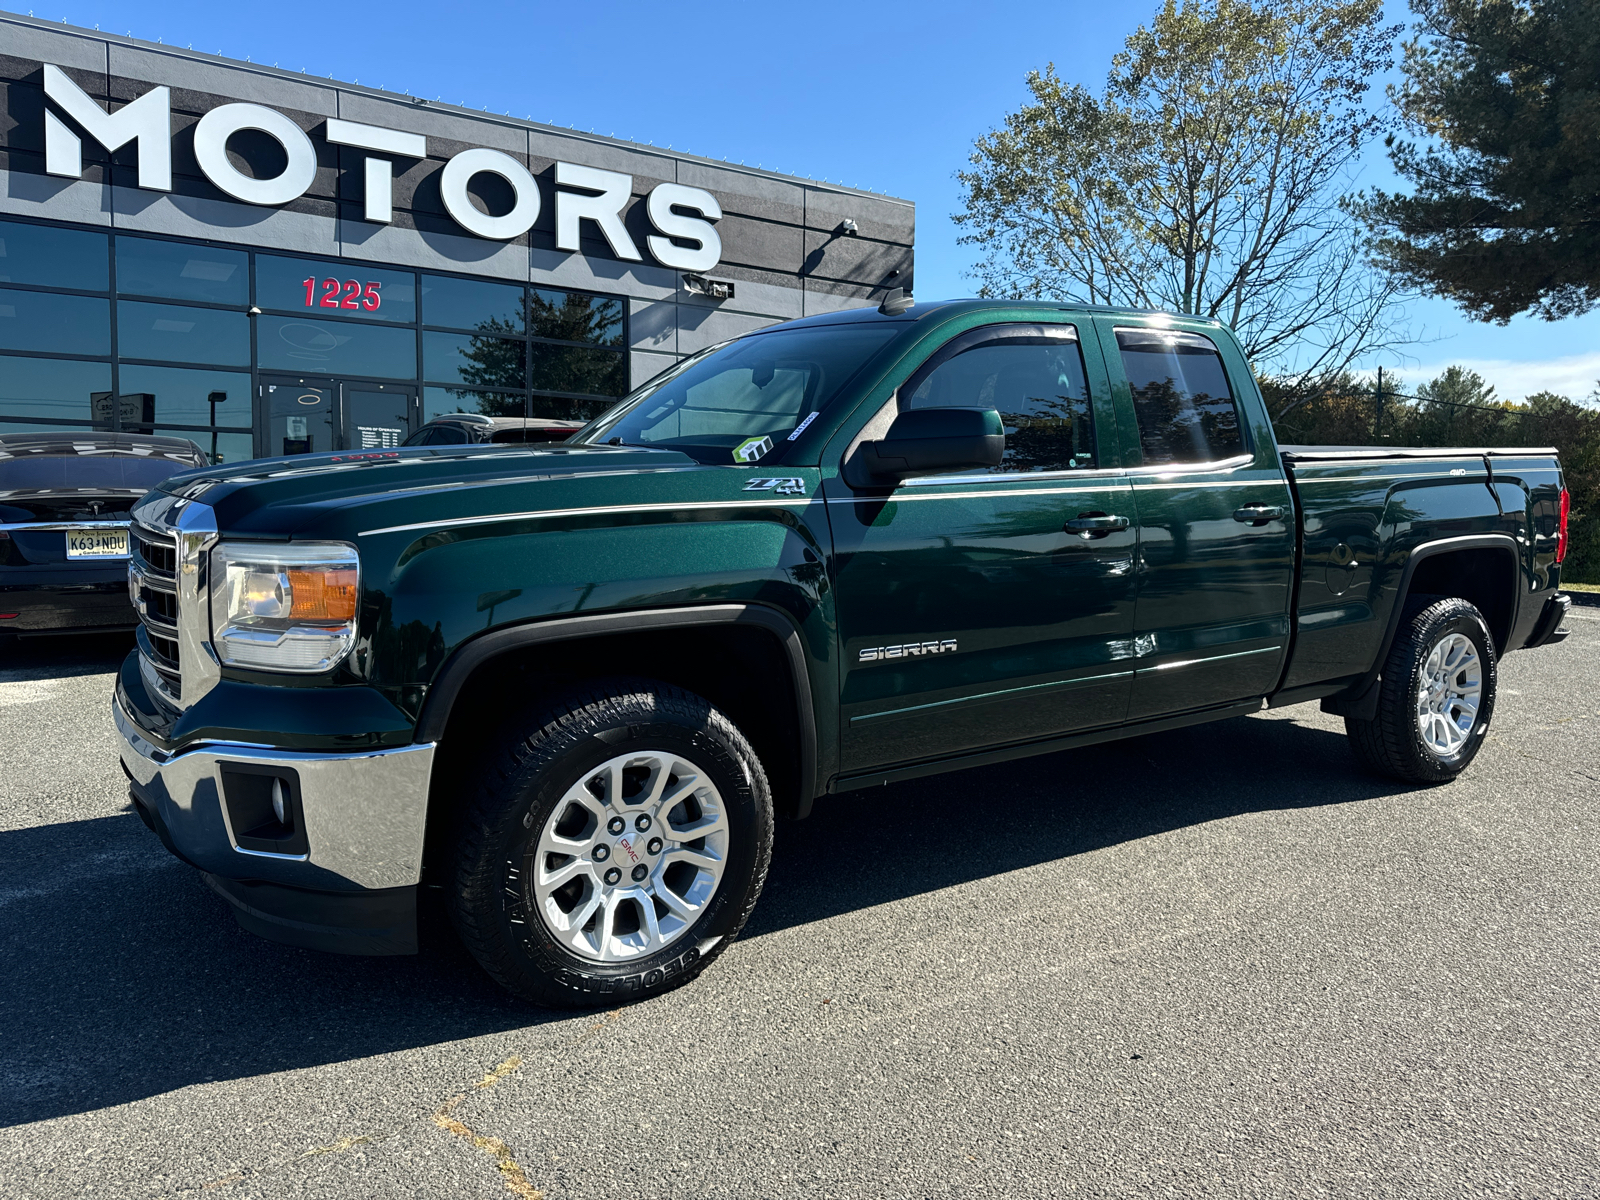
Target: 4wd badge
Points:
(783, 486)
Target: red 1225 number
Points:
(355, 295)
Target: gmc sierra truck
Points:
(571, 686)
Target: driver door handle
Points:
(1258, 514)
(1094, 525)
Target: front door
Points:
(308, 415)
(970, 613)
(1216, 521)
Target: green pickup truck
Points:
(570, 687)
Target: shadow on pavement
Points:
(61, 655)
(125, 977)
(869, 847)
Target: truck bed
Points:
(1475, 521)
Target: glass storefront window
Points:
(51, 257)
(437, 401)
(329, 348)
(577, 369)
(347, 289)
(472, 358)
(572, 317)
(54, 324)
(49, 388)
(467, 304)
(566, 408)
(180, 271)
(178, 334)
(188, 397)
(185, 345)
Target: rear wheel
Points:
(1437, 695)
(616, 844)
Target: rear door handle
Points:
(1094, 525)
(1258, 514)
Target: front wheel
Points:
(1436, 698)
(616, 844)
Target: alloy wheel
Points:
(1449, 690)
(629, 858)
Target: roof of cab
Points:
(922, 310)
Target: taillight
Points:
(1561, 537)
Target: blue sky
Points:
(878, 96)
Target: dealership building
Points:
(269, 263)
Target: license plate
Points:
(97, 541)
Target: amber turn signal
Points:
(322, 595)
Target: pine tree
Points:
(1504, 96)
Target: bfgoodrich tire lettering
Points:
(1441, 668)
(561, 776)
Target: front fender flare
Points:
(467, 658)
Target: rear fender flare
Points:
(1360, 700)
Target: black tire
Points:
(492, 901)
(1392, 743)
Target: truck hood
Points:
(321, 494)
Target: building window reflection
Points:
(178, 333)
(49, 389)
(181, 271)
(149, 334)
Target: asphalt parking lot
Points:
(1220, 962)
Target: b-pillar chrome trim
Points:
(365, 812)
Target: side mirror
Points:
(929, 441)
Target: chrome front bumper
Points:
(365, 813)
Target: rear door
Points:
(1216, 521)
(970, 615)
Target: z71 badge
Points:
(783, 486)
(906, 650)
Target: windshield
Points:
(737, 403)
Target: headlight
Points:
(284, 607)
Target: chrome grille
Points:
(159, 552)
(169, 581)
(153, 584)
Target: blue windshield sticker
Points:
(801, 428)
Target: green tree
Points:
(1206, 178)
(1502, 98)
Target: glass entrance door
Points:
(300, 415)
(315, 415)
(376, 416)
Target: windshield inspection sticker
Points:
(751, 449)
(801, 428)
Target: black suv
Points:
(64, 501)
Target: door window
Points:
(1185, 409)
(1034, 379)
